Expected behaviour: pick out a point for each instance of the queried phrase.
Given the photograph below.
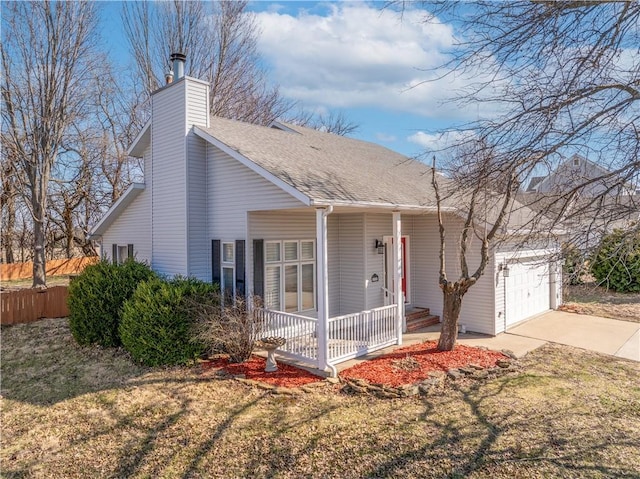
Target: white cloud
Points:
(359, 55)
(439, 141)
(385, 137)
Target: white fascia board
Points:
(140, 142)
(116, 209)
(253, 167)
(386, 206)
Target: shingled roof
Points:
(328, 168)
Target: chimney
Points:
(178, 60)
(168, 76)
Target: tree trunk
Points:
(451, 312)
(39, 243)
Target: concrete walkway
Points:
(604, 335)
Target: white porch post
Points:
(322, 270)
(397, 272)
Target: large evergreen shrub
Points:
(156, 326)
(616, 263)
(96, 298)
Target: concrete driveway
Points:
(604, 335)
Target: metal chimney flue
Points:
(178, 60)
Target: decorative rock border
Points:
(436, 380)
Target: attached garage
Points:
(527, 290)
(527, 285)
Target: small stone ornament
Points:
(271, 343)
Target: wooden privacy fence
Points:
(55, 267)
(28, 305)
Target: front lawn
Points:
(591, 299)
(71, 412)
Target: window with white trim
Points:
(290, 275)
(228, 285)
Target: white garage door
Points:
(527, 290)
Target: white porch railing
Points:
(356, 334)
(350, 336)
(299, 332)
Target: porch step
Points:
(420, 318)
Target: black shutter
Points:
(240, 271)
(258, 268)
(215, 262)
(114, 253)
(130, 251)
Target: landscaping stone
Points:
(240, 376)
(454, 374)
(480, 374)
(503, 363)
(285, 391)
(424, 388)
(467, 371)
(476, 367)
(333, 380)
(509, 353)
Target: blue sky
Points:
(355, 58)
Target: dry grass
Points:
(598, 301)
(62, 280)
(82, 412)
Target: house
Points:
(586, 198)
(576, 171)
(339, 237)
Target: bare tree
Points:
(220, 42)
(482, 191)
(561, 78)
(47, 59)
(555, 78)
(336, 123)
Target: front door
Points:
(388, 273)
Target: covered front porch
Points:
(350, 270)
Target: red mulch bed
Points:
(253, 368)
(380, 370)
(384, 369)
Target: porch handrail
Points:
(356, 334)
(300, 333)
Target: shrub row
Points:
(158, 321)
(614, 264)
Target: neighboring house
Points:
(327, 230)
(576, 171)
(585, 198)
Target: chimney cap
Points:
(178, 56)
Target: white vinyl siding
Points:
(478, 304)
(199, 244)
(233, 189)
(352, 256)
(169, 218)
(377, 226)
(132, 226)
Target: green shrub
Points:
(96, 298)
(574, 265)
(616, 263)
(156, 326)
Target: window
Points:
(290, 275)
(228, 270)
(120, 253)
